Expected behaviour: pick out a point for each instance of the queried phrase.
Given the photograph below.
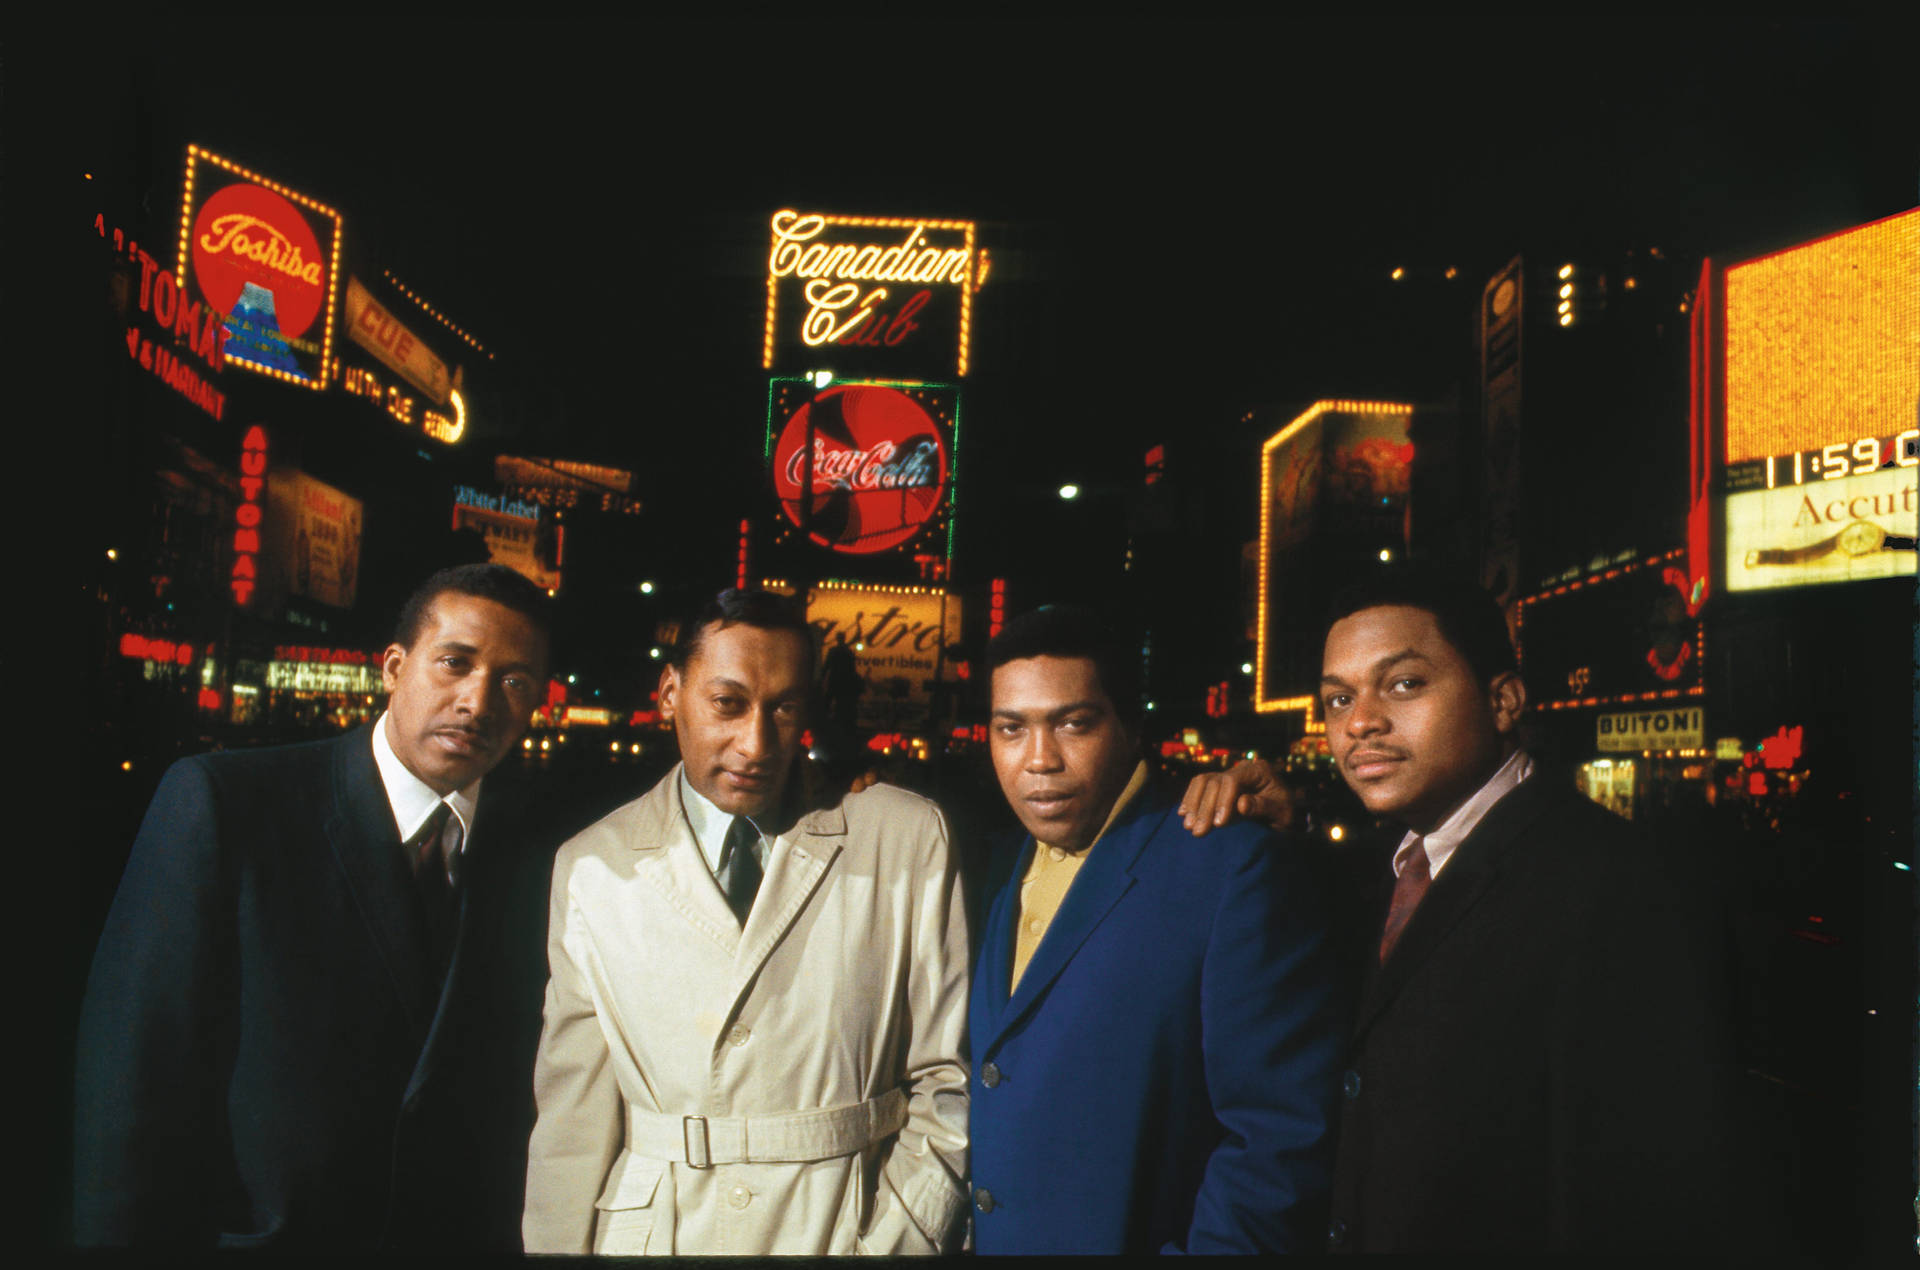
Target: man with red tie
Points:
(1538, 1062)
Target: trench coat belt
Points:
(791, 1137)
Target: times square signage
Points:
(870, 295)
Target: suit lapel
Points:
(667, 858)
(480, 895)
(799, 862)
(1102, 880)
(1475, 866)
(366, 846)
(996, 953)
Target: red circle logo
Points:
(248, 234)
(879, 467)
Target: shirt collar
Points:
(1451, 832)
(710, 824)
(411, 798)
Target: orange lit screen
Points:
(1823, 341)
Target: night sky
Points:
(1185, 220)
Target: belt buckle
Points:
(703, 1157)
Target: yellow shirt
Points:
(1050, 874)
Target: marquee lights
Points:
(1261, 702)
(1694, 652)
(195, 156)
(436, 314)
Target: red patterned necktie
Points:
(1407, 890)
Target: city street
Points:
(931, 323)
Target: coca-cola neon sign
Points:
(266, 257)
(880, 466)
(871, 291)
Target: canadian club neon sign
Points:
(871, 294)
(880, 466)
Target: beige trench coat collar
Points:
(670, 862)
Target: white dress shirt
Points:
(710, 825)
(1452, 831)
(413, 800)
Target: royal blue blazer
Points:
(1163, 1078)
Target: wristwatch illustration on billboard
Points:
(1860, 538)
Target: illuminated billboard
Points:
(881, 463)
(1822, 371)
(1342, 465)
(870, 295)
(1626, 634)
(898, 635)
(316, 539)
(268, 258)
(515, 537)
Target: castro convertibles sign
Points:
(881, 463)
(870, 295)
(269, 259)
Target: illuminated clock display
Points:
(1829, 463)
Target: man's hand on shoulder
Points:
(1248, 790)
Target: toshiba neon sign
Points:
(266, 257)
(884, 288)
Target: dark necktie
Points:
(743, 867)
(1407, 892)
(429, 863)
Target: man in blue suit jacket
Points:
(1154, 1027)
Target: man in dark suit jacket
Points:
(1539, 1061)
(299, 1033)
(1154, 1029)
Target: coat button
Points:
(738, 1035)
(1350, 1083)
(739, 1197)
(990, 1075)
(1337, 1235)
(983, 1199)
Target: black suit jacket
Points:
(266, 1055)
(1542, 1064)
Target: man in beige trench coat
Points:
(793, 1080)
